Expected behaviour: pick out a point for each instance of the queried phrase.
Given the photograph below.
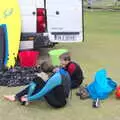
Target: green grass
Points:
(106, 4)
(99, 50)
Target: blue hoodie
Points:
(53, 82)
(102, 86)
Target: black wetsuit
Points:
(76, 74)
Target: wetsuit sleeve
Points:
(54, 81)
(32, 87)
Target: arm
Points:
(54, 81)
(32, 86)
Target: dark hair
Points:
(46, 67)
(65, 56)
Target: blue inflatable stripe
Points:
(6, 43)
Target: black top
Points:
(76, 74)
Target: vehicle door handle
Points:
(57, 12)
(33, 13)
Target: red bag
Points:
(117, 93)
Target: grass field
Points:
(100, 49)
(106, 4)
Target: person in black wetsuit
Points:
(73, 69)
(55, 90)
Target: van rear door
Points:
(64, 20)
(28, 14)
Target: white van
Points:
(46, 22)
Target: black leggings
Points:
(56, 97)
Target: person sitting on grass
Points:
(73, 69)
(55, 90)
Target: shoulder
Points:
(63, 71)
(72, 65)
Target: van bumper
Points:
(35, 41)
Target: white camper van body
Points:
(46, 22)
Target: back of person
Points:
(58, 96)
(66, 81)
(76, 74)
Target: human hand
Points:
(56, 69)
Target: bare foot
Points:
(10, 97)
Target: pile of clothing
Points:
(17, 76)
(101, 87)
